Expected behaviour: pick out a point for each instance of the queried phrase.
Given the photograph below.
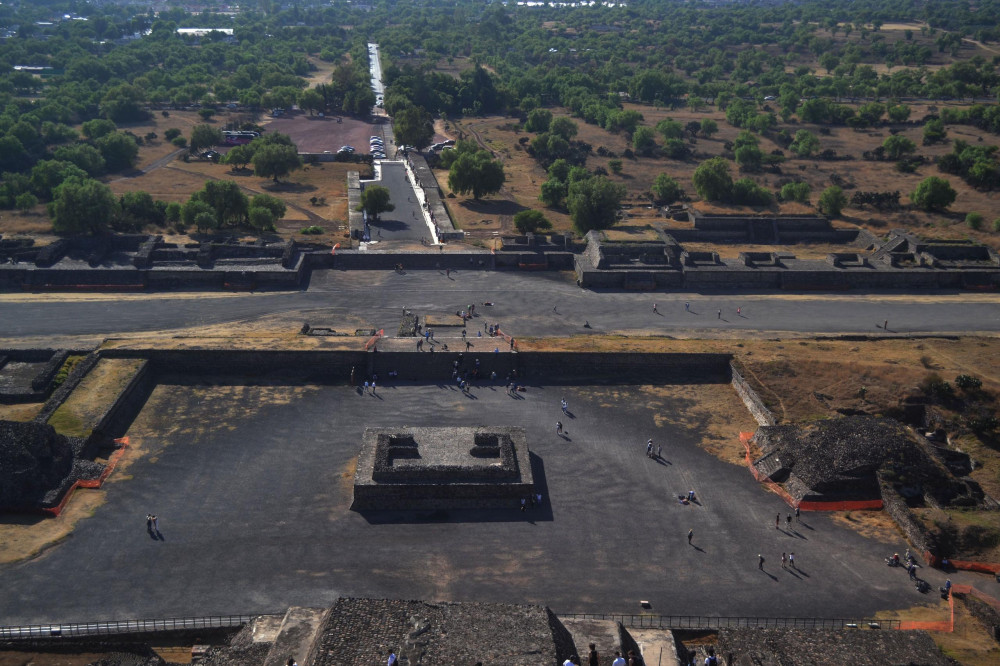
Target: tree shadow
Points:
(492, 206)
(292, 188)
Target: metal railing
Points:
(113, 627)
(645, 621)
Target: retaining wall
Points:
(750, 398)
(125, 407)
(72, 380)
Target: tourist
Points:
(788, 521)
(393, 661)
(618, 659)
(720, 314)
(797, 515)
(760, 561)
(565, 406)
(659, 455)
(690, 536)
(791, 560)
(649, 449)
(366, 387)
(687, 306)
(784, 559)
(654, 309)
(559, 429)
(777, 522)
(593, 659)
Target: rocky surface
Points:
(808, 647)
(364, 631)
(34, 459)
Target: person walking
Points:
(559, 428)
(619, 660)
(784, 559)
(149, 522)
(649, 448)
(654, 309)
(156, 524)
(565, 406)
(791, 560)
(373, 386)
(777, 522)
(687, 306)
(788, 521)
(739, 312)
(720, 314)
(797, 519)
(593, 659)
(690, 536)
(659, 452)
(760, 561)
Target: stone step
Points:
(266, 628)
(602, 633)
(769, 464)
(300, 629)
(657, 646)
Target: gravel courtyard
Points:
(252, 485)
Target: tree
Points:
(553, 192)
(137, 209)
(86, 157)
(82, 206)
(749, 193)
(118, 150)
(933, 194)
(311, 100)
(749, 158)
(204, 136)
(25, 201)
(98, 127)
(709, 127)
(712, 181)
(375, 200)
(173, 212)
(13, 156)
(670, 129)
(666, 190)
(47, 175)
(593, 203)
(897, 145)
(643, 140)
(476, 173)
(796, 192)
(563, 127)
(123, 104)
(898, 113)
(832, 201)
(226, 200)
(275, 161)
(934, 131)
(240, 156)
(261, 219)
(199, 214)
(273, 204)
(538, 120)
(413, 127)
(530, 221)
(805, 144)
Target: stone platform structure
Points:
(442, 468)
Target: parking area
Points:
(313, 134)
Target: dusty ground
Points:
(79, 414)
(525, 177)
(25, 536)
(21, 412)
(313, 134)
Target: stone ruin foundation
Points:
(442, 468)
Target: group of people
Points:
(594, 658)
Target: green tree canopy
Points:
(709, 127)
(47, 175)
(563, 127)
(476, 173)
(413, 127)
(226, 200)
(82, 206)
(897, 145)
(538, 120)
(204, 136)
(934, 194)
(593, 203)
(118, 150)
(530, 221)
(805, 144)
(712, 181)
(86, 157)
(666, 190)
(375, 201)
(643, 140)
(275, 161)
(670, 129)
(832, 201)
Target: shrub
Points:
(968, 382)
(313, 230)
(615, 166)
(171, 134)
(975, 221)
(179, 141)
(530, 221)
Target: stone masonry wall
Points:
(750, 398)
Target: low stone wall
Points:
(125, 407)
(72, 380)
(623, 367)
(754, 404)
(919, 537)
(315, 366)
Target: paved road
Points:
(406, 222)
(252, 487)
(538, 304)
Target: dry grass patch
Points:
(24, 536)
(87, 403)
(877, 525)
(20, 412)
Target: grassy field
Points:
(79, 414)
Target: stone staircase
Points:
(604, 634)
(296, 637)
(769, 465)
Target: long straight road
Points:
(546, 304)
